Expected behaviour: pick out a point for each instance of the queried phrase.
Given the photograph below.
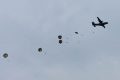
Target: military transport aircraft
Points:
(101, 23)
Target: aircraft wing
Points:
(99, 20)
(103, 26)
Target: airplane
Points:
(101, 23)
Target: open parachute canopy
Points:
(59, 37)
(40, 49)
(5, 55)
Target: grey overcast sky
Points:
(26, 25)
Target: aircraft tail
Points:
(93, 24)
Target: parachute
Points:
(40, 49)
(76, 32)
(5, 55)
(59, 37)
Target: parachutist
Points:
(60, 41)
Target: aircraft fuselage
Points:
(101, 23)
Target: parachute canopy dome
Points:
(59, 37)
(5, 55)
(60, 41)
(76, 32)
(40, 49)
